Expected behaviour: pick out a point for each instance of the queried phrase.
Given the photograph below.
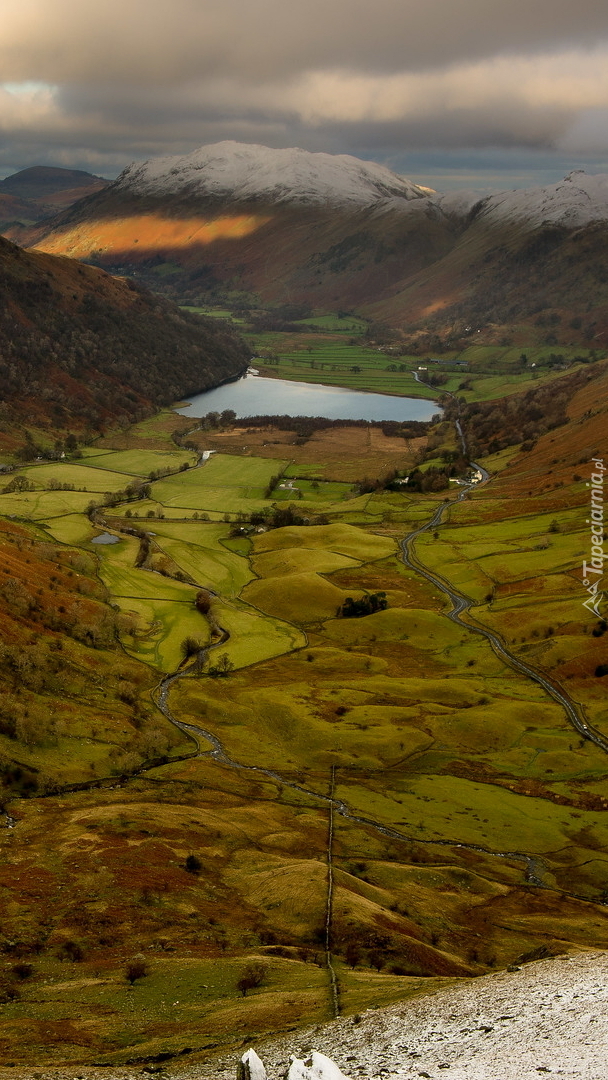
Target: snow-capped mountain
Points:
(332, 231)
(577, 200)
(248, 173)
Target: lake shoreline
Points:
(262, 395)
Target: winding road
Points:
(533, 866)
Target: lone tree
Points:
(194, 647)
(137, 969)
(193, 864)
(251, 976)
(191, 646)
(203, 601)
(222, 669)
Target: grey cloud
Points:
(168, 41)
(138, 78)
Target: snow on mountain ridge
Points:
(246, 172)
(577, 200)
(242, 172)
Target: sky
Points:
(453, 94)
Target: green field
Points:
(82, 477)
(201, 551)
(353, 366)
(478, 373)
(139, 462)
(469, 827)
(38, 505)
(224, 483)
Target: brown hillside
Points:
(407, 265)
(78, 347)
(325, 256)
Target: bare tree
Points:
(251, 976)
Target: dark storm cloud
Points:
(134, 78)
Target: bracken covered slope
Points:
(80, 347)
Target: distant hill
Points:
(79, 347)
(32, 194)
(335, 232)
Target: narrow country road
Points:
(462, 604)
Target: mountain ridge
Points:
(335, 232)
(251, 172)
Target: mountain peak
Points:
(247, 172)
(577, 200)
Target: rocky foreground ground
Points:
(548, 1018)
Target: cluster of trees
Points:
(251, 977)
(18, 483)
(435, 478)
(279, 517)
(490, 426)
(213, 420)
(305, 426)
(271, 485)
(367, 605)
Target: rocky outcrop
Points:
(315, 1067)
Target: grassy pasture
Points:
(303, 598)
(298, 560)
(140, 462)
(71, 529)
(159, 628)
(153, 433)
(493, 371)
(343, 539)
(253, 635)
(227, 471)
(312, 491)
(224, 484)
(287, 727)
(505, 551)
(333, 364)
(162, 609)
(81, 476)
(81, 755)
(290, 562)
(476, 813)
(38, 505)
(200, 551)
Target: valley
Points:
(166, 838)
(300, 716)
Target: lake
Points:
(254, 395)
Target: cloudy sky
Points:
(452, 93)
